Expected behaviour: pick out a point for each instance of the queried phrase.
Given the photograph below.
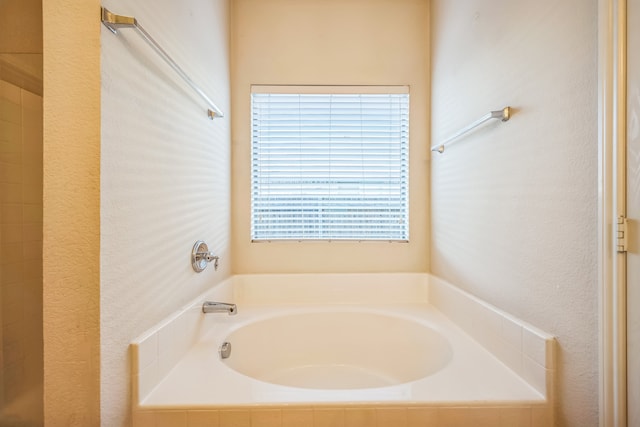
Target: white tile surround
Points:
(526, 350)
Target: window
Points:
(329, 163)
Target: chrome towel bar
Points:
(504, 115)
(113, 22)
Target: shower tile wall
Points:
(20, 256)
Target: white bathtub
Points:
(333, 348)
(306, 344)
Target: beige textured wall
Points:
(514, 205)
(21, 26)
(165, 175)
(71, 213)
(351, 42)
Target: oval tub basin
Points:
(337, 350)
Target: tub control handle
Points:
(201, 257)
(225, 350)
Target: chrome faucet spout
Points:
(219, 307)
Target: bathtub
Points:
(337, 348)
(343, 350)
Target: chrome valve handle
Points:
(201, 257)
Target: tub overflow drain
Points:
(225, 350)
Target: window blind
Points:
(330, 166)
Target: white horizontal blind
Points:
(330, 166)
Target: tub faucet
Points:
(219, 307)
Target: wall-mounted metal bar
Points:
(113, 22)
(504, 115)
